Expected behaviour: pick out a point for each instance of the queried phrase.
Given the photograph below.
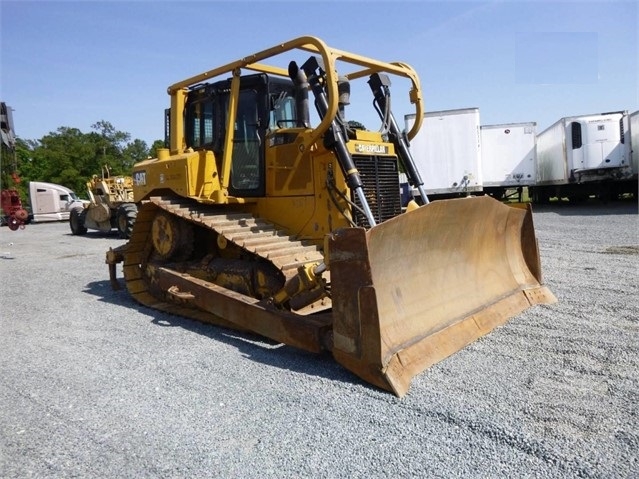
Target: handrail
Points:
(330, 56)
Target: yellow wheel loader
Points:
(255, 219)
(111, 206)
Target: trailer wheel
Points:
(125, 218)
(76, 221)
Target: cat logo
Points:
(139, 178)
(371, 149)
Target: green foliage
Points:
(8, 160)
(70, 157)
(355, 125)
(133, 153)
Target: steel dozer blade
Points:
(411, 291)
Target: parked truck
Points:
(582, 156)
(51, 202)
(447, 150)
(508, 158)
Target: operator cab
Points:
(265, 104)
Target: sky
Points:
(74, 63)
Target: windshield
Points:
(283, 113)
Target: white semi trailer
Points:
(633, 121)
(508, 158)
(581, 156)
(447, 152)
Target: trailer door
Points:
(602, 147)
(45, 201)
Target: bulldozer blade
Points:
(417, 288)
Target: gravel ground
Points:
(94, 385)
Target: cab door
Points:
(247, 158)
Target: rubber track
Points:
(242, 229)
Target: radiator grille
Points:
(380, 177)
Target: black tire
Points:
(76, 221)
(125, 219)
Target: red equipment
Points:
(14, 215)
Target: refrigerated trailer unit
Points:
(508, 158)
(447, 151)
(630, 185)
(581, 156)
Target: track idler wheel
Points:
(172, 238)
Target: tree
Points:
(66, 157)
(17, 166)
(70, 157)
(355, 125)
(111, 144)
(133, 153)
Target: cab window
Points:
(247, 141)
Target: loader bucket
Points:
(415, 289)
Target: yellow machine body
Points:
(253, 219)
(111, 205)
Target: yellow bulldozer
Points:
(254, 219)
